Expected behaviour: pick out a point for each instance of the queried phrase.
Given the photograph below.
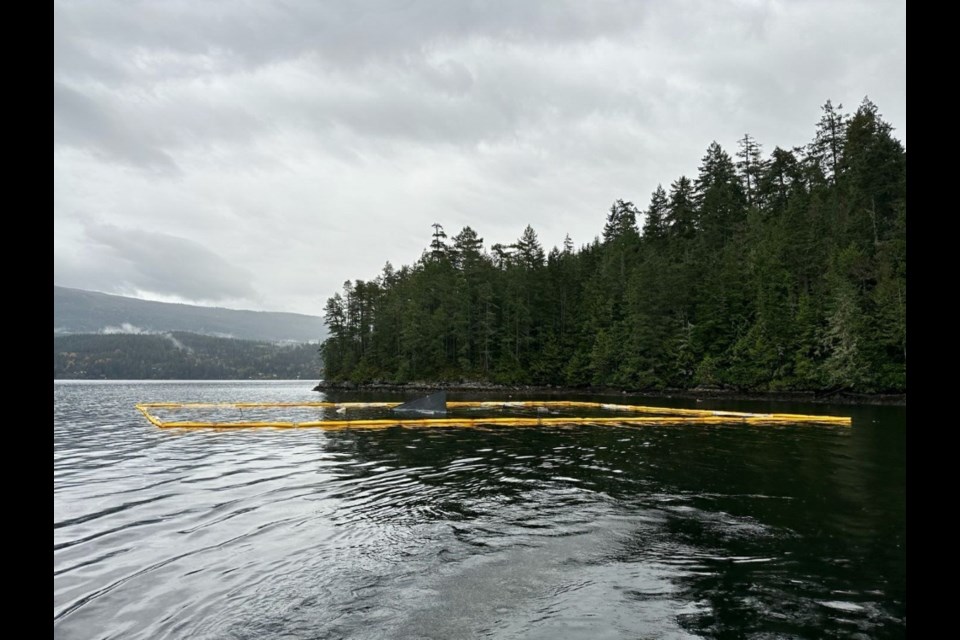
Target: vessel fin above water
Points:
(434, 404)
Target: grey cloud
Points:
(313, 140)
(170, 265)
(501, 95)
(448, 77)
(520, 66)
(82, 122)
(342, 32)
(148, 130)
(445, 102)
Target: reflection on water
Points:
(534, 532)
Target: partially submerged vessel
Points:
(433, 405)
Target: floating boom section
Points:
(230, 415)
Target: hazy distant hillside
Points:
(180, 356)
(78, 311)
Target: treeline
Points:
(784, 272)
(179, 356)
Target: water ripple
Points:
(583, 532)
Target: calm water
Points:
(510, 532)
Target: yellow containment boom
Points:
(667, 416)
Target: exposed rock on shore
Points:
(832, 397)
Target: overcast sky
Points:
(256, 154)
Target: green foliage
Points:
(785, 273)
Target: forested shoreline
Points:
(766, 274)
(178, 355)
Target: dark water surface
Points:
(793, 531)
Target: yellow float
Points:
(546, 415)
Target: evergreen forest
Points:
(179, 355)
(783, 271)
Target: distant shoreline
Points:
(823, 397)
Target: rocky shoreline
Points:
(699, 393)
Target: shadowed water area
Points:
(502, 532)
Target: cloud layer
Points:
(259, 154)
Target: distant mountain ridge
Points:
(79, 311)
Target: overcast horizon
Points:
(257, 155)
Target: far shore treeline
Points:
(178, 355)
(776, 272)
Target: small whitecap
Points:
(841, 605)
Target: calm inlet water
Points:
(508, 532)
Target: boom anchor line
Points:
(627, 414)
